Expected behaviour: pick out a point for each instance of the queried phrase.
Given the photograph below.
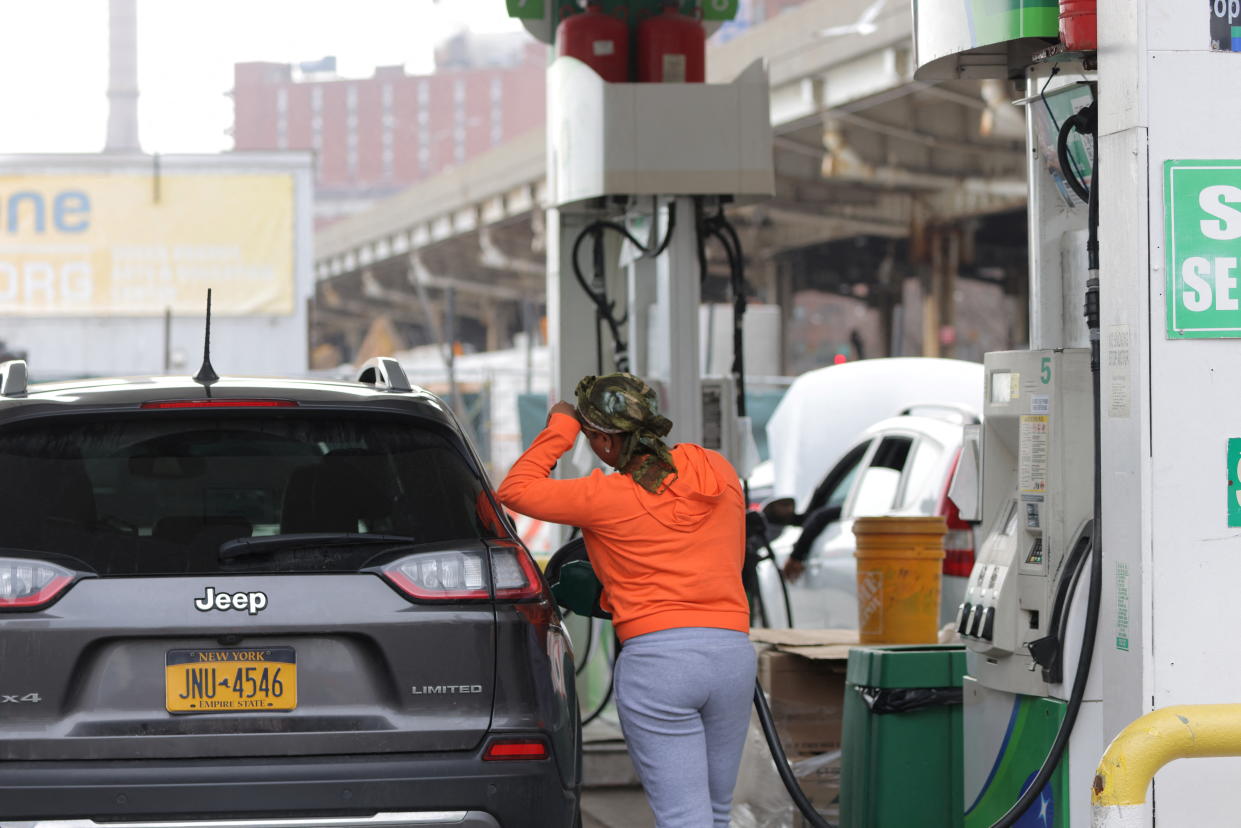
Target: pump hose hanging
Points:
(722, 230)
(719, 228)
(782, 761)
(605, 309)
(1084, 122)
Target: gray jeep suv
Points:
(254, 602)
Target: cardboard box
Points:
(807, 701)
(803, 672)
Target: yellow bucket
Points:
(899, 570)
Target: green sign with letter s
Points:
(1202, 224)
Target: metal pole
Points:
(450, 358)
(528, 323)
(673, 360)
(167, 340)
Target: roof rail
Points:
(944, 411)
(385, 373)
(13, 376)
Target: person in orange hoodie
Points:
(666, 536)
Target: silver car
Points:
(256, 600)
(899, 466)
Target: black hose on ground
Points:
(782, 761)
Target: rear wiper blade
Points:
(240, 547)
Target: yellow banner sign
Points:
(134, 245)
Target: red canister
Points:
(1079, 28)
(671, 48)
(597, 39)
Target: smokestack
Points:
(122, 77)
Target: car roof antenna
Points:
(206, 374)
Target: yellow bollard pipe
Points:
(1147, 744)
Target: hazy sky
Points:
(54, 60)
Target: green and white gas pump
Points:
(1156, 601)
(637, 176)
(1024, 606)
(1024, 615)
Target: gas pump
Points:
(1021, 618)
(1037, 450)
(1033, 712)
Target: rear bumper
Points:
(253, 792)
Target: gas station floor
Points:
(615, 808)
(611, 796)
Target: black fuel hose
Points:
(1067, 167)
(1084, 122)
(782, 761)
(784, 584)
(605, 308)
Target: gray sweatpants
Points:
(683, 696)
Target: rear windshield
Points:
(160, 494)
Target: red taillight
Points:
(444, 575)
(28, 584)
(959, 562)
(220, 404)
(516, 749)
(959, 540)
(455, 575)
(515, 574)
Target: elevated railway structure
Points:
(882, 182)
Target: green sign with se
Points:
(1202, 223)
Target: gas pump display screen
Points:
(1001, 386)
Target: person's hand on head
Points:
(562, 407)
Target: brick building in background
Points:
(375, 136)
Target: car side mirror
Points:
(965, 490)
(831, 514)
(780, 512)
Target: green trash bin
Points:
(902, 763)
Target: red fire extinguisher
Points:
(1079, 28)
(597, 39)
(671, 48)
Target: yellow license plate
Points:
(225, 681)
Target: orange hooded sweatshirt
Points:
(665, 560)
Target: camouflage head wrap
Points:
(624, 404)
